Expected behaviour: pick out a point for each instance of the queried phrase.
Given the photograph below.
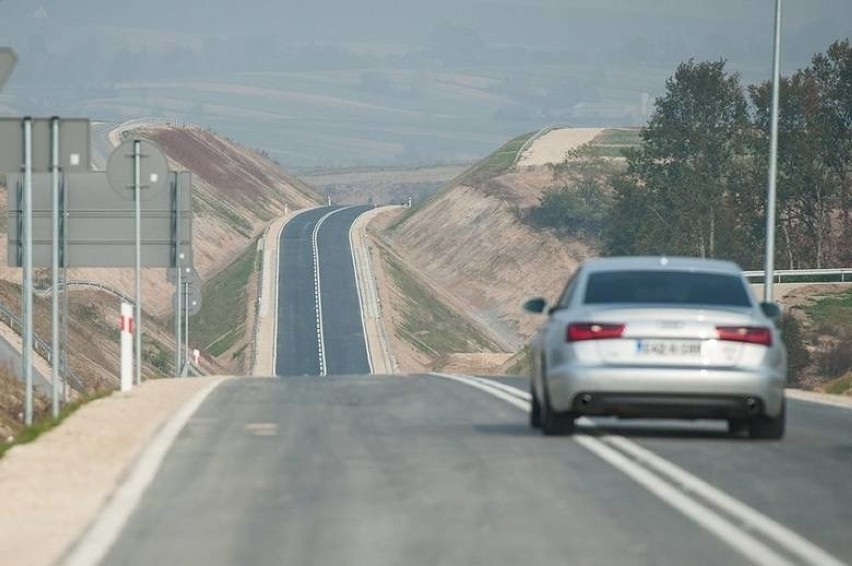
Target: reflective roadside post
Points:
(127, 330)
(773, 161)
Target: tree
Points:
(579, 202)
(814, 156)
(676, 195)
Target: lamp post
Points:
(773, 160)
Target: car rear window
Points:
(666, 287)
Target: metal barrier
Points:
(843, 275)
(43, 348)
(47, 291)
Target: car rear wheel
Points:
(535, 409)
(554, 423)
(769, 428)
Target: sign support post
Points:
(54, 297)
(186, 322)
(178, 269)
(27, 304)
(137, 190)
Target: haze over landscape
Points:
(335, 83)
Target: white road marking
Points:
(674, 485)
(323, 370)
(751, 519)
(100, 536)
(360, 294)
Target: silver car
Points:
(661, 338)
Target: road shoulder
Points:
(54, 489)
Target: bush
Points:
(837, 359)
(575, 211)
(798, 357)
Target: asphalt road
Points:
(426, 469)
(304, 347)
(422, 470)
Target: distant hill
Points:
(340, 84)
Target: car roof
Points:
(661, 263)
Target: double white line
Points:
(756, 536)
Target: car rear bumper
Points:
(665, 392)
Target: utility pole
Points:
(773, 161)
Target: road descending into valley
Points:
(320, 329)
(327, 464)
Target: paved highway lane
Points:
(392, 470)
(308, 344)
(343, 327)
(802, 482)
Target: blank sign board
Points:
(99, 225)
(74, 144)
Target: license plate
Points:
(674, 348)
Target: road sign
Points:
(154, 170)
(188, 275)
(75, 143)
(191, 300)
(99, 225)
(7, 63)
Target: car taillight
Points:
(579, 331)
(747, 334)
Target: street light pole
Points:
(773, 160)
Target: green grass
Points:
(835, 312)
(840, 385)
(428, 324)
(223, 306)
(501, 160)
(613, 142)
(626, 137)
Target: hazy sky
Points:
(545, 23)
(398, 74)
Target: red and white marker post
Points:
(127, 329)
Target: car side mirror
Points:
(536, 305)
(772, 310)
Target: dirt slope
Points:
(236, 193)
(469, 241)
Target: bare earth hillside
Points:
(552, 146)
(469, 241)
(236, 193)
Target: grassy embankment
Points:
(221, 323)
(613, 142)
(832, 316)
(429, 325)
(492, 166)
